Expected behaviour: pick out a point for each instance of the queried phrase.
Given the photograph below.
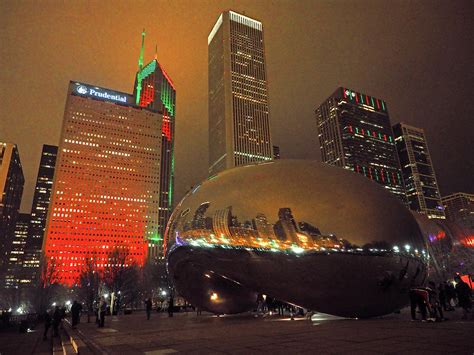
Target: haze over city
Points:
(416, 56)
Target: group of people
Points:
(432, 301)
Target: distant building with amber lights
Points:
(39, 212)
(105, 195)
(417, 170)
(239, 128)
(11, 191)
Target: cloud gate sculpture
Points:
(302, 232)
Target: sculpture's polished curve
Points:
(306, 233)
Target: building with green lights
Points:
(155, 90)
(239, 128)
(355, 133)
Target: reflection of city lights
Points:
(214, 296)
(296, 249)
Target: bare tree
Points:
(89, 283)
(123, 276)
(46, 285)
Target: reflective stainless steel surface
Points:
(307, 233)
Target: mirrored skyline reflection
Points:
(294, 206)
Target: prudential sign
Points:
(93, 91)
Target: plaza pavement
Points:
(245, 334)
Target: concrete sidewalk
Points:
(133, 334)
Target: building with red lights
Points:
(105, 196)
(355, 133)
(155, 90)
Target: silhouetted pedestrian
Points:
(170, 306)
(76, 309)
(102, 311)
(436, 312)
(442, 296)
(148, 306)
(418, 298)
(57, 316)
(463, 292)
(47, 324)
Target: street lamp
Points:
(106, 295)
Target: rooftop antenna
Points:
(156, 51)
(140, 60)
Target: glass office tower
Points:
(417, 170)
(39, 212)
(106, 184)
(355, 133)
(239, 129)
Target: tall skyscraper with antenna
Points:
(155, 90)
(239, 128)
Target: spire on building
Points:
(140, 60)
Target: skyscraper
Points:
(355, 133)
(417, 171)
(239, 128)
(106, 184)
(154, 90)
(16, 252)
(459, 207)
(39, 212)
(11, 191)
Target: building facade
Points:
(39, 212)
(239, 128)
(11, 189)
(355, 133)
(106, 183)
(155, 90)
(14, 274)
(417, 171)
(460, 207)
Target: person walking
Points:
(464, 294)
(170, 306)
(418, 298)
(101, 311)
(148, 306)
(57, 316)
(76, 309)
(47, 324)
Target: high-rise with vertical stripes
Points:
(417, 170)
(355, 133)
(239, 129)
(155, 90)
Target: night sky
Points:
(416, 55)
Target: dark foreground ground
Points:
(245, 334)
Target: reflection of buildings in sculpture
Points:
(459, 207)
(286, 228)
(199, 220)
(309, 230)
(263, 227)
(221, 222)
